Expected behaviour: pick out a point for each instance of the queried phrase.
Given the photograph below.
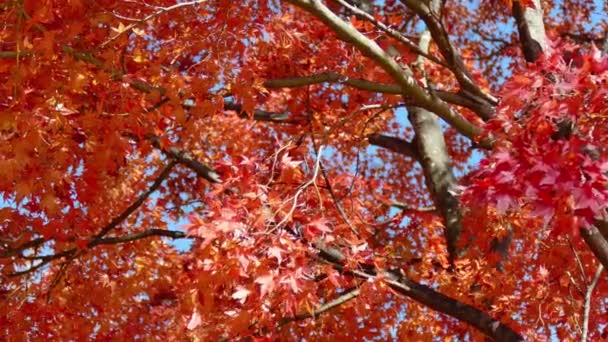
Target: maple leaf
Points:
(241, 294)
(275, 252)
(267, 284)
(195, 320)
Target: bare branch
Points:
(44, 260)
(406, 207)
(260, 115)
(484, 110)
(185, 158)
(14, 54)
(604, 47)
(435, 161)
(587, 307)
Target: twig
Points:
(140, 200)
(30, 244)
(579, 263)
(162, 10)
(352, 294)
(183, 157)
(406, 207)
(392, 32)
(335, 200)
(299, 192)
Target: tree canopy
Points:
(303, 170)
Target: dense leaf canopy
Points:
(303, 169)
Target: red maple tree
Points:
(358, 170)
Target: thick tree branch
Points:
(394, 144)
(370, 48)
(531, 29)
(333, 77)
(597, 243)
(485, 111)
(436, 164)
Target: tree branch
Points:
(333, 77)
(392, 32)
(16, 250)
(406, 207)
(46, 259)
(140, 200)
(162, 10)
(424, 295)
(435, 160)
(484, 110)
(597, 243)
(14, 54)
(587, 307)
(260, 115)
(531, 29)
(187, 159)
(451, 56)
(173, 234)
(349, 295)
(394, 144)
